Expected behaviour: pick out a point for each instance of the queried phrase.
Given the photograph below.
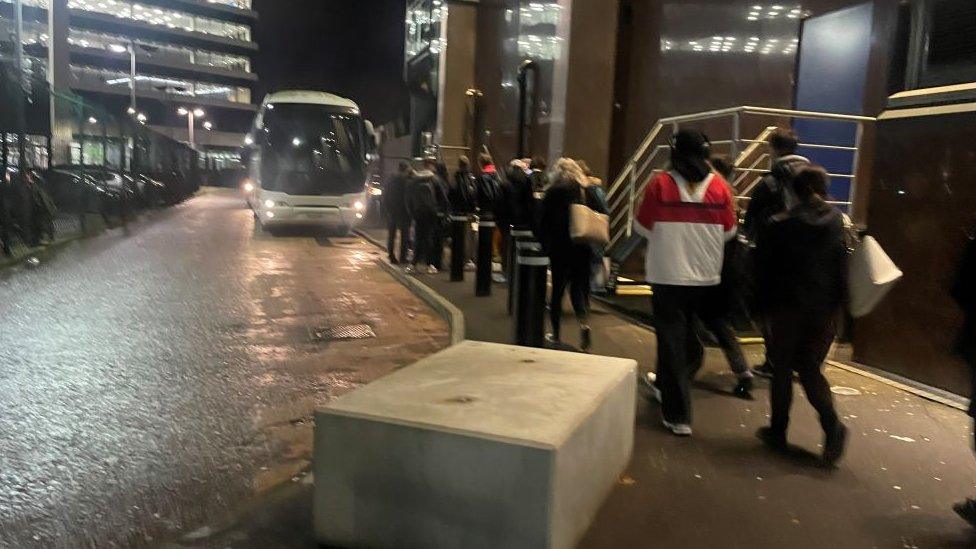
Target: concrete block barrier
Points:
(480, 445)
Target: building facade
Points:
(187, 56)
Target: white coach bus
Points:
(308, 155)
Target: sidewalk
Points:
(909, 459)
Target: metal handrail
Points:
(622, 193)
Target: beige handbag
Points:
(587, 226)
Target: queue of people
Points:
(524, 196)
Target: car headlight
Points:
(248, 187)
(376, 192)
(269, 203)
(358, 205)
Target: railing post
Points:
(630, 202)
(854, 169)
(736, 135)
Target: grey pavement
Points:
(909, 458)
(158, 384)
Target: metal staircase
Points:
(750, 158)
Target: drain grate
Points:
(342, 332)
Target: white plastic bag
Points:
(870, 276)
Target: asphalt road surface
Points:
(154, 382)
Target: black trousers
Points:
(570, 269)
(679, 351)
(799, 343)
(430, 241)
(393, 225)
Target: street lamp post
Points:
(132, 77)
(191, 117)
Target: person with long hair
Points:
(570, 262)
(801, 269)
(687, 216)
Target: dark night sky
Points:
(353, 48)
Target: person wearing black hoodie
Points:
(429, 205)
(772, 196)
(964, 294)
(397, 215)
(801, 270)
(464, 202)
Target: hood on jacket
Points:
(785, 167)
(816, 213)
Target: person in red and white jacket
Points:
(687, 216)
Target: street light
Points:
(191, 116)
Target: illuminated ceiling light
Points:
(117, 48)
(182, 111)
(198, 112)
(208, 125)
(757, 7)
(752, 18)
(92, 120)
(142, 117)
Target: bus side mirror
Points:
(372, 138)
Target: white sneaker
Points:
(648, 381)
(470, 266)
(498, 278)
(678, 429)
(432, 270)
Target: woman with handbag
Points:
(687, 216)
(570, 258)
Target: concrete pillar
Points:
(59, 79)
(457, 75)
(583, 83)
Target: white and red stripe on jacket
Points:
(686, 231)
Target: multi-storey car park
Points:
(188, 56)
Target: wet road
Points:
(153, 383)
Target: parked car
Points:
(115, 195)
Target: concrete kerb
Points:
(443, 307)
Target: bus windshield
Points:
(312, 150)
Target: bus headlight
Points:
(248, 187)
(269, 215)
(269, 203)
(358, 205)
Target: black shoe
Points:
(586, 338)
(834, 445)
(773, 440)
(967, 511)
(393, 260)
(743, 389)
(766, 370)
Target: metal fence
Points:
(50, 137)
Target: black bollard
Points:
(459, 234)
(530, 308)
(482, 279)
(521, 239)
